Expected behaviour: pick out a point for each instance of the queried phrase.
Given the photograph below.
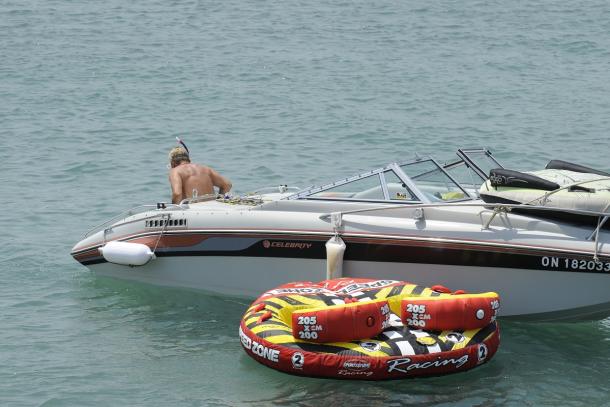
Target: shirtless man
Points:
(184, 177)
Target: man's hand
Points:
(223, 184)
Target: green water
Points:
(92, 95)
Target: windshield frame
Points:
(408, 182)
(464, 154)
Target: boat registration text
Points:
(561, 263)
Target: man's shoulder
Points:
(190, 169)
(202, 167)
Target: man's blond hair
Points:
(178, 154)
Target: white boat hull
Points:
(541, 294)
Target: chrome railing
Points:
(485, 205)
(134, 211)
(336, 217)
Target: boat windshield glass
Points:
(483, 160)
(432, 181)
(465, 176)
(397, 190)
(365, 188)
(368, 188)
(472, 168)
(421, 181)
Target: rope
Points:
(161, 234)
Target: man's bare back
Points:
(186, 177)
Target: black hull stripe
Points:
(319, 240)
(416, 254)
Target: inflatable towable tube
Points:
(370, 329)
(552, 187)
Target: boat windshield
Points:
(423, 180)
(472, 168)
(433, 181)
(479, 160)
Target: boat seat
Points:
(501, 177)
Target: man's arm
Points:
(223, 184)
(175, 182)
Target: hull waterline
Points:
(538, 294)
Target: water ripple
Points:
(267, 93)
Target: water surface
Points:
(93, 94)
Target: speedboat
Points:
(419, 221)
